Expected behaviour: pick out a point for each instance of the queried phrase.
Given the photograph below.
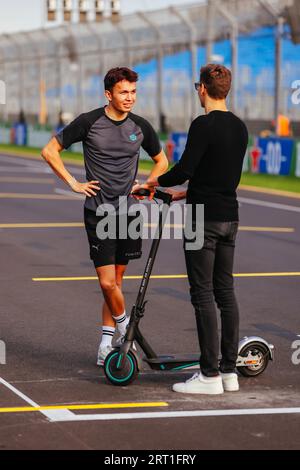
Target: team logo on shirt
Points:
(133, 138)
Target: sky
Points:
(24, 15)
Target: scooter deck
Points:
(174, 362)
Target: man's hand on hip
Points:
(84, 188)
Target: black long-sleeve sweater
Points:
(212, 162)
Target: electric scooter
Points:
(123, 364)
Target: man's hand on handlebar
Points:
(149, 185)
(138, 187)
(177, 195)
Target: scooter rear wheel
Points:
(254, 349)
(126, 374)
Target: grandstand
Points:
(167, 47)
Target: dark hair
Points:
(216, 79)
(118, 74)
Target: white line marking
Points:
(24, 160)
(52, 415)
(180, 414)
(273, 205)
(68, 193)
(17, 392)
(20, 161)
(35, 169)
(11, 169)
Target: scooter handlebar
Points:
(165, 197)
(142, 192)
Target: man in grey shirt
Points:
(112, 137)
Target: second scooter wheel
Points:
(254, 349)
(126, 374)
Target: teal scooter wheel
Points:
(126, 374)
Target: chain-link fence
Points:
(62, 68)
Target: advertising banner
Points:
(4, 135)
(179, 140)
(20, 135)
(247, 159)
(297, 156)
(275, 155)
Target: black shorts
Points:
(110, 250)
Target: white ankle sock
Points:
(107, 336)
(122, 322)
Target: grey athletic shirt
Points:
(111, 152)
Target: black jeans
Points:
(210, 277)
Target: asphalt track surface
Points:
(51, 330)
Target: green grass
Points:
(144, 164)
(37, 151)
(285, 183)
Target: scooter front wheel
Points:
(124, 375)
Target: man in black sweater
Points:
(212, 162)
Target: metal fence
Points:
(67, 63)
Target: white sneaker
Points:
(201, 384)
(102, 353)
(117, 339)
(230, 382)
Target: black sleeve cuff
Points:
(173, 177)
(59, 138)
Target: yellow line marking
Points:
(36, 196)
(10, 179)
(72, 224)
(241, 228)
(166, 225)
(81, 225)
(267, 274)
(161, 276)
(267, 229)
(101, 406)
(274, 192)
(59, 279)
(43, 225)
(93, 278)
